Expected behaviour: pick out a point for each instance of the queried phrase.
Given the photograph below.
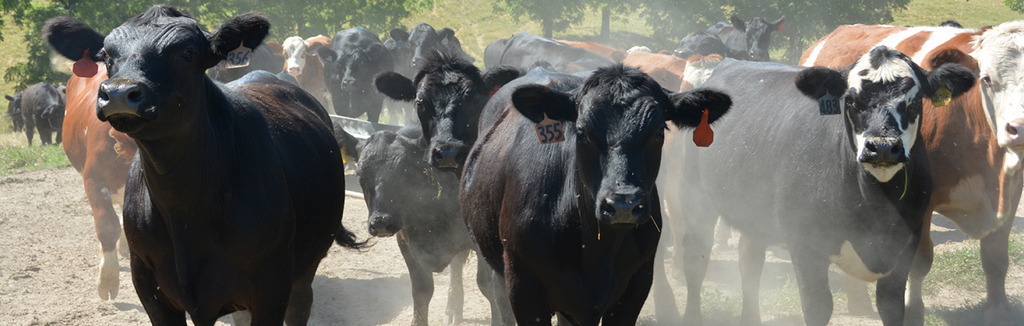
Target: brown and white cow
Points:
(605, 50)
(102, 155)
(671, 72)
(302, 61)
(973, 143)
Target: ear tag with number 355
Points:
(239, 57)
(942, 96)
(828, 104)
(549, 131)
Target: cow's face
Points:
(700, 43)
(618, 128)
(998, 51)
(155, 62)
(392, 177)
(881, 102)
(401, 51)
(450, 94)
(352, 70)
(14, 104)
(759, 33)
(295, 52)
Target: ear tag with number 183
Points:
(549, 131)
(239, 57)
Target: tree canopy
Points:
(554, 15)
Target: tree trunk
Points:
(548, 26)
(606, 17)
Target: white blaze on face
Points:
(998, 52)
(295, 52)
(849, 261)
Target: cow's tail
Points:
(347, 239)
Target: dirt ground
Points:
(49, 256)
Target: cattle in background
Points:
(410, 51)
(747, 40)
(493, 51)
(355, 55)
(201, 146)
(14, 110)
(700, 43)
(42, 109)
(853, 194)
(671, 72)
(973, 142)
(601, 49)
(268, 57)
(583, 229)
(525, 51)
(303, 62)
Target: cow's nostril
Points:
(638, 210)
(135, 95)
(1010, 129)
(607, 208)
(438, 157)
(871, 147)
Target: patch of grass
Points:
(785, 301)
(12, 51)
(16, 156)
(970, 314)
(972, 14)
(961, 269)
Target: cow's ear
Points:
(394, 86)
(399, 34)
(445, 35)
(380, 54)
(349, 144)
(326, 54)
(9, 98)
(815, 82)
(688, 107)
(738, 23)
(248, 29)
(777, 24)
(498, 76)
(953, 77)
(534, 101)
(71, 38)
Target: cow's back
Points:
(357, 37)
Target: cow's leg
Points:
(627, 310)
(422, 282)
(45, 134)
(492, 286)
(300, 301)
(526, 296)
(811, 269)
(751, 264)
(914, 312)
(160, 314)
(270, 294)
(30, 130)
(665, 309)
(722, 234)
(696, 255)
(858, 302)
(456, 292)
(995, 261)
(108, 230)
(890, 290)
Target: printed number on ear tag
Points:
(942, 96)
(549, 131)
(828, 105)
(239, 57)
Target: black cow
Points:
(237, 191)
(419, 205)
(354, 56)
(410, 50)
(700, 43)
(14, 110)
(525, 51)
(747, 40)
(492, 53)
(42, 108)
(449, 93)
(849, 188)
(573, 226)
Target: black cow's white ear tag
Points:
(444, 41)
(239, 57)
(828, 104)
(549, 131)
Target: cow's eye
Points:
(188, 54)
(987, 80)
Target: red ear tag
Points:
(495, 90)
(782, 27)
(85, 67)
(703, 135)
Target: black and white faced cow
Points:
(573, 225)
(832, 167)
(355, 55)
(14, 110)
(236, 193)
(449, 93)
(419, 205)
(747, 40)
(42, 109)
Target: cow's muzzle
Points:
(445, 156)
(126, 104)
(883, 151)
(383, 225)
(1012, 135)
(623, 210)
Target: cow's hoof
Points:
(452, 317)
(122, 245)
(999, 315)
(109, 281)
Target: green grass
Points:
(961, 268)
(12, 50)
(973, 13)
(16, 156)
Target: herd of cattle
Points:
(231, 173)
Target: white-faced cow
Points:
(974, 142)
(573, 226)
(236, 192)
(355, 55)
(833, 168)
(14, 110)
(42, 109)
(747, 40)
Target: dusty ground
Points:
(49, 255)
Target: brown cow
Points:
(303, 62)
(973, 155)
(608, 51)
(102, 155)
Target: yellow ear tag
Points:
(549, 131)
(942, 96)
(239, 57)
(344, 154)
